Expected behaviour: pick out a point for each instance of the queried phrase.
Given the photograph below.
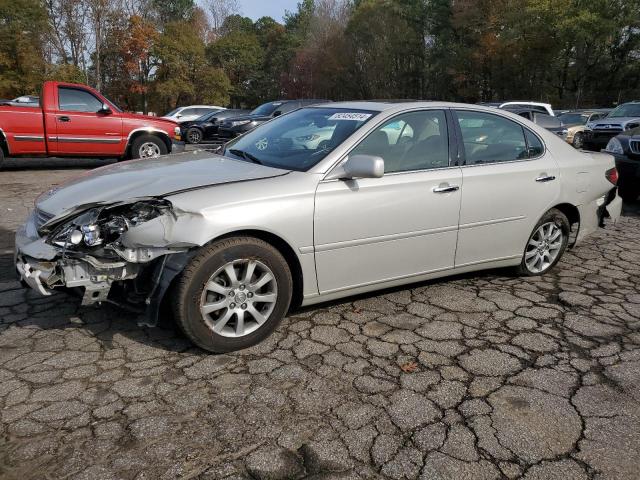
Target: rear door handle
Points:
(64, 119)
(545, 178)
(445, 188)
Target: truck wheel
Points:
(233, 294)
(148, 146)
(546, 245)
(194, 135)
(1, 157)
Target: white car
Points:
(398, 193)
(540, 107)
(186, 114)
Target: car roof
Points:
(382, 105)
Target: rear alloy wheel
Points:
(546, 244)
(148, 146)
(578, 141)
(233, 294)
(194, 135)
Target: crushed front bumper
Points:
(44, 267)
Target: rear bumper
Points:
(598, 139)
(628, 168)
(602, 212)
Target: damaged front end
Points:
(117, 252)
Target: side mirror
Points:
(105, 109)
(277, 113)
(178, 115)
(359, 166)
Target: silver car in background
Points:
(374, 195)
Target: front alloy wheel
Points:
(232, 294)
(239, 298)
(194, 136)
(578, 141)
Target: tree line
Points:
(153, 55)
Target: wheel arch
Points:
(4, 144)
(570, 210)
(134, 134)
(285, 249)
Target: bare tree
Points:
(219, 10)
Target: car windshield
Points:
(626, 110)
(206, 116)
(574, 118)
(299, 140)
(172, 112)
(266, 109)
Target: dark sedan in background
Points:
(232, 127)
(205, 128)
(626, 150)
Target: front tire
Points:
(148, 146)
(233, 294)
(546, 245)
(578, 141)
(194, 135)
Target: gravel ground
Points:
(481, 376)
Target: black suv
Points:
(625, 147)
(232, 127)
(205, 128)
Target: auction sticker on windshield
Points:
(359, 117)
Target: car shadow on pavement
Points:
(54, 163)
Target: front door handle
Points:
(445, 188)
(64, 119)
(545, 178)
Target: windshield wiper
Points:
(245, 155)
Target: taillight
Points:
(612, 175)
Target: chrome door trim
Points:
(491, 222)
(383, 238)
(28, 138)
(60, 139)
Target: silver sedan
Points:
(379, 195)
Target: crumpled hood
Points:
(154, 177)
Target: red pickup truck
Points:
(77, 121)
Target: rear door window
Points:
(491, 138)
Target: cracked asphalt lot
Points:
(484, 376)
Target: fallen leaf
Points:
(409, 367)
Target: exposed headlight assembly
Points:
(614, 146)
(102, 225)
(240, 122)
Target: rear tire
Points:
(233, 294)
(194, 135)
(546, 245)
(1, 157)
(148, 146)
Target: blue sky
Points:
(255, 9)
